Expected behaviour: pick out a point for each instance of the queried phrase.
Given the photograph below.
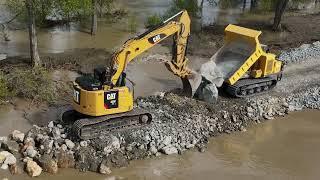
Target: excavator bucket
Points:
(191, 84)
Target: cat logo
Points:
(111, 99)
(157, 38)
(111, 96)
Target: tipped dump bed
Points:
(233, 32)
(241, 50)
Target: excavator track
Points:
(87, 127)
(250, 87)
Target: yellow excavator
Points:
(103, 102)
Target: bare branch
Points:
(14, 17)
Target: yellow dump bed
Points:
(234, 33)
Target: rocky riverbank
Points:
(179, 124)
(302, 53)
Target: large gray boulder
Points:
(168, 150)
(210, 93)
(212, 73)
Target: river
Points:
(285, 148)
(109, 35)
(61, 38)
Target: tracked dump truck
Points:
(245, 65)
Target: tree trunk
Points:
(280, 8)
(244, 5)
(101, 4)
(94, 23)
(201, 13)
(32, 34)
(253, 5)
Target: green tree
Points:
(41, 8)
(177, 5)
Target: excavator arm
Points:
(178, 26)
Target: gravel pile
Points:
(302, 53)
(268, 107)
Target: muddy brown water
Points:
(286, 148)
(61, 38)
(109, 35)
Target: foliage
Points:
(268, 5)
(69, 9)
(65, 10)
(106, 6)
(4, 92)
(224, 4)
(42, 9)
(32, 84)
(153, 20)
(177, 5)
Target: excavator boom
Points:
(180, 29)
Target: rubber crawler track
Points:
(251, 87)
(92, 127)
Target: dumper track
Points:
(86, 127)
(250, 87)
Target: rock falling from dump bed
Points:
(222, 65)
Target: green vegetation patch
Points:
(34, 84)
(153, 20)
(4, 91)
(176, 5)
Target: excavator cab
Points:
(101, 74)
